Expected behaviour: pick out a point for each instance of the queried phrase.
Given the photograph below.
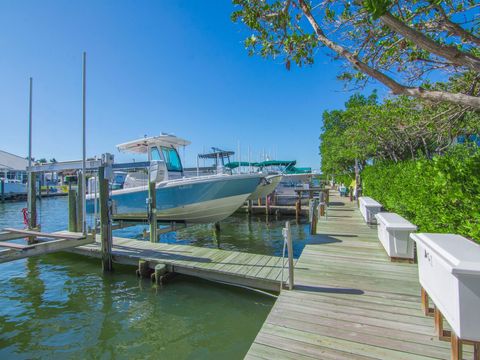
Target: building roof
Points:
(141, 145)
(12, 162)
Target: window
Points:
(155, 154)
(172, 159)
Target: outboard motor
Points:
(158, 171)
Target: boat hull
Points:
(265, 189)
(194, 200)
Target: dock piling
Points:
(313, 215)
(32, 204)
(152, 211)
(105, 221)
(72, 210)
(298, 209)
(159, 272)
(79, 202)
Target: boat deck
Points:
(239, 268)
(350, 301)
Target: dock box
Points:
(449, 271)
(394, 234)
(368, 208)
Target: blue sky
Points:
(153, 66)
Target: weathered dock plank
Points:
(259, 271)
(350, 301)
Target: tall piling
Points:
(80, 191)
(152, 211)
(72, 210)
(105, 221)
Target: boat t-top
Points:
(199, 199)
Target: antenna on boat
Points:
(84, 165)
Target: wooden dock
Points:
(350, 301)
(274, 209)
(234, 267)
(38, 243)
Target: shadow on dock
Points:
(321, 289)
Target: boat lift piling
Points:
(152, 211)
(72, 209)
(105, 220)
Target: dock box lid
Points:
(394, 221)
(460, 253)
(368, 201)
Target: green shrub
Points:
(438, 195)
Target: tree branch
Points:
(397, 89)
(450, 53)
(454, 28)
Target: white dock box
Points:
(449, 270)
(394, 234)
(368, 208)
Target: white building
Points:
(12, 167)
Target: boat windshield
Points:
(171, 159)
(155, 154)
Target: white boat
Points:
(200, 199)
(266, 186)
(223, 165)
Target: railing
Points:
(287, 244)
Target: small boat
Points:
(292, 178)
(199, 199)
(223, 165)
(269, 182)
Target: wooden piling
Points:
(72, 210)
(32, 205)
(79, 202)
(159, 272)
(249, 206)
(298, 209)
(267, 205)
(105, 223)
(152, 211)
(32, 202)
(313, 216)
(143, 269)
(323, 202)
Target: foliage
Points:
(438, 195)
(399, 43)
(396, 129)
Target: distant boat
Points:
(223, 165)
(292, 178)
(269, 182)
(199, 199)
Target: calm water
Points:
(63, 306)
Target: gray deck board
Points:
(260, 271)
(350, 301)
